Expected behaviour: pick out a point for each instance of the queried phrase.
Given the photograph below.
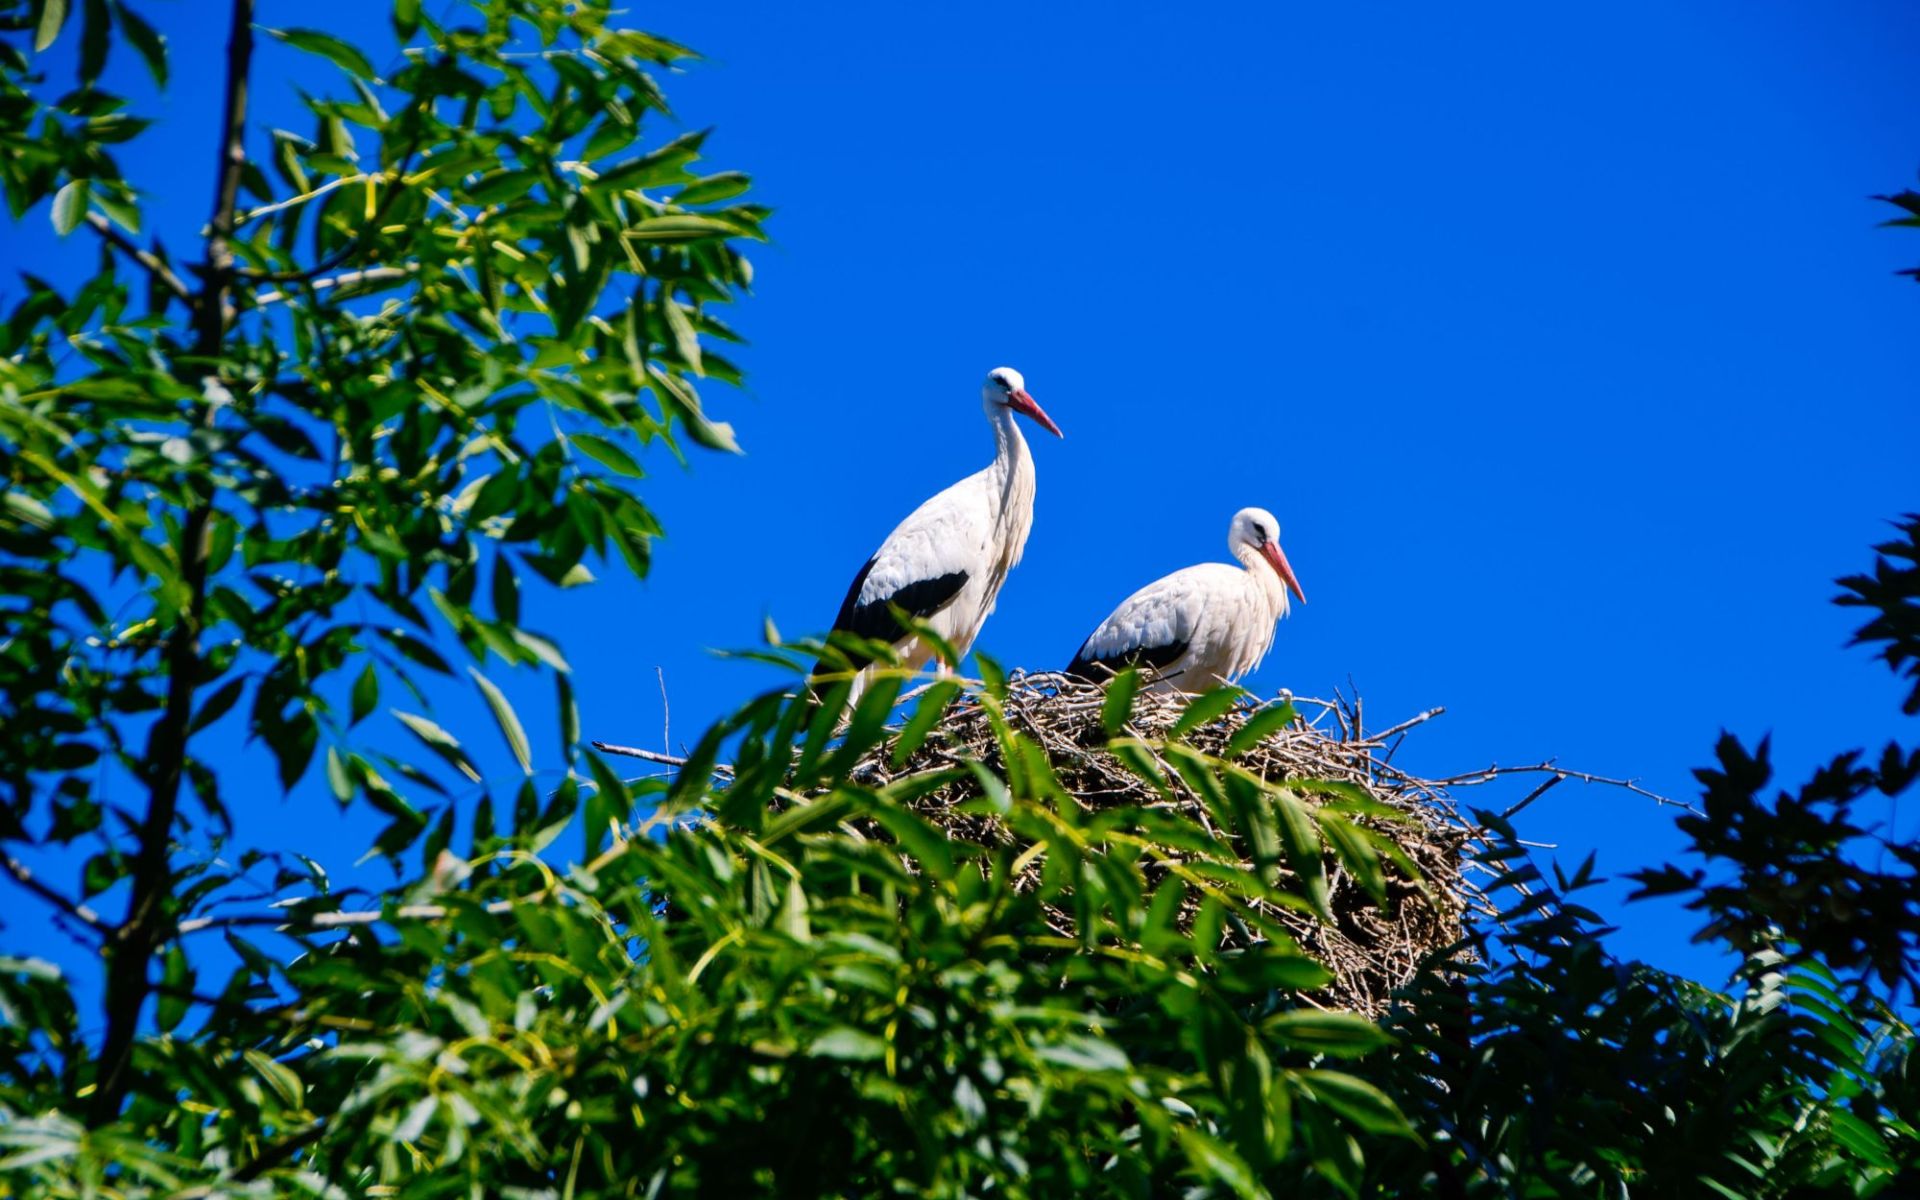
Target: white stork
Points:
(1201, 626)
(945, 563)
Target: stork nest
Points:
(1372, 949)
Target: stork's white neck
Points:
(1264, 580)
(1009, 445)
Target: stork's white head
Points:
(1007, 388)
(1256, 532)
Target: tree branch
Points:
(79, 912)
(148, 923)
(344, 279)
(155, 265)
(339, 258)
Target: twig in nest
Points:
(653, 756)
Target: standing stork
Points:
(1201, 626)
(945, 563)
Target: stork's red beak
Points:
(1020, 402)
(1277, 558)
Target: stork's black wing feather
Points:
(1157, 658)
(920, 599)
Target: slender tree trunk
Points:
(148, 924)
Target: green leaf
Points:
(148, 42)
(176, 980)
(569, 716)
(933, 704)
(406, 17)
(847, 1043)
(96, 35)
(366, 694)
(277, 1075)
(502, 187)
(607, 454)
(1358, 1101)
(926, 844)
(793, 914)
(1213, 1159)
(1860, 1137)
(1261, 725)
(439, 741)
(678, 396)
(339, 778)
(724, 186)
(69, 207)
(1355, 852)
(685, 341)
(53, 14)
(506, 591)
(510, 726)
(216, 705)
(1083, 1053)
(1300, 836)
(1344, 1035)
(1117, 708)
(1206, 707)
(341, 54)
(682, 228)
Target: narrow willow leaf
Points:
(342, 54)
(918, 838)
(1355, 852)
(217, 704)
(793, 913)
(277, 1075)
(503, 713)
(608, 454)
(685, 340)
(1213, 1159)
(933, 704)
(1301, 837)
(339, 778)
(1117, 708)
(1358, 1101)
(1207, 707)
(176, 982)
(439, 741)
(724, 186)
(1261, 725)
(366, 694)
(569, 716)
(1344, 1035)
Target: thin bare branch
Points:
(155, 265)
(652, 756)
(666, 712)
(1409, 723)
(254, 214)
(344, 279)
(73, 908)
(395, 179)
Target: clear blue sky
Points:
(1563, 342)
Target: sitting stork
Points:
(945, 563)
(1201, 626)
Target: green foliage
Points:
(428, 340)
(1548, 1067)
(430, 336)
